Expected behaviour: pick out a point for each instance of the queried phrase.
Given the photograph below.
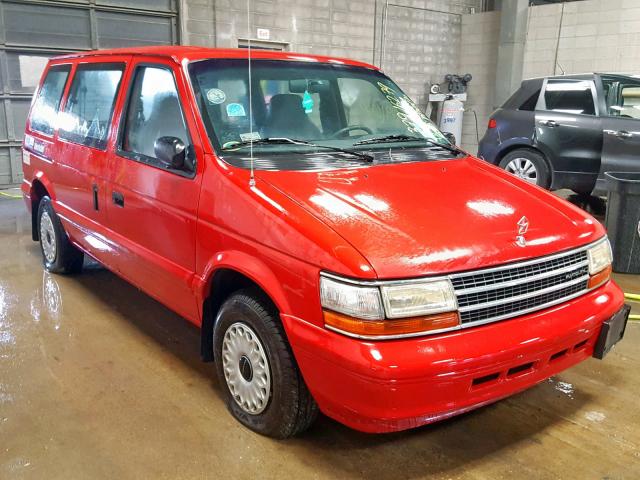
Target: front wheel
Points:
(528, 165)
(262, 385)
(59, 255)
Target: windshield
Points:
(323, 105)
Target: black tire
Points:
(543, 175)
(66, 257)
(290, 409)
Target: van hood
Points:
(435, 217)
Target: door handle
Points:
(94, 188)
(619, 133)
(549, 123)
(117, 198)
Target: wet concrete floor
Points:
(99, 381)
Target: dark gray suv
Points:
(566, 131)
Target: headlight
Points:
(353, 300)
(409, 300)
(600, 258)
(390, 310)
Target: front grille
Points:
(509, 291)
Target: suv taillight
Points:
(492, 123)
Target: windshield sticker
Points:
(409, 113)
(235, 110)
(307, 102)
(216, 96)
(250, 136)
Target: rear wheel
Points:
(528, 165)
(59, 255)
(262, 385)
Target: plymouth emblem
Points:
(523, 226)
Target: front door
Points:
(569, 132)
(621, 127)
(152, 209)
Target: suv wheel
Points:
(261, 383)
(528, 165)
(58, 253)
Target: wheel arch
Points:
(233, 271)
(526, 146)
(40, 187)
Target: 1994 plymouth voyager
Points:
(338, 253)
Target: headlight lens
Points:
(410, 300)
(353, 300)
(600, 257)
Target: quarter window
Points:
(153, 112)
(530, 104)
(569, 96)
(45, 108)
(87, 114)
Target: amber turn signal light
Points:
(599, 278)
(399, 327)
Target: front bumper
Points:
(384, 386)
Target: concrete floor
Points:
(99, 381)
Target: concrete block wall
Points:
(542, 40)
(420, 38)
(594, 35)
(421, 46)
(478, 55)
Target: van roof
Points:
(181, 53)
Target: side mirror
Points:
(450, 137)
(171, 151)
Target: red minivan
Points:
(338, 253)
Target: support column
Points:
(513, 35)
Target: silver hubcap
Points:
(246, 368)
(523, 168)
(47, 237)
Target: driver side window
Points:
(154, 111)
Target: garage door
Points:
(33, 31)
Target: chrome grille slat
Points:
(511, 290)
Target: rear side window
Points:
(569, 96)
(88, 110)
(45, 108)
(154, 111)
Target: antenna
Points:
(252, 180)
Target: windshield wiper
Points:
(389, 139)
(284, 140)
(408, 138)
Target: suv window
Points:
(622, 96)
(154, 111)
(569, 96)
(89, 108)
(45, 108)
(530, 104)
